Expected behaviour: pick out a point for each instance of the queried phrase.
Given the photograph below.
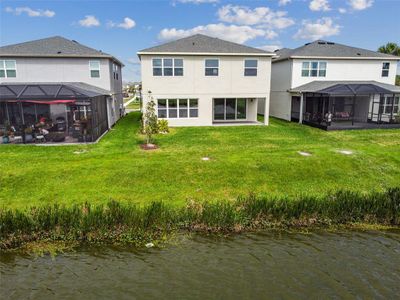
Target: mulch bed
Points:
(148, 146)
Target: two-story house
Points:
(58, 81)
(204, 81)
(333, 86)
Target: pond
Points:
(249, 266)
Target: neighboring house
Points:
(202, 81)
(333, 86)
(31, 72)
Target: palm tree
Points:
(390, 48)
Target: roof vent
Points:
(321, 42)
(59, 52)
(359, 54)
(193, 43)
(75, 41)
(306, 44)
(330, 43)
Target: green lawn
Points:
(133, 105)
(244, 159)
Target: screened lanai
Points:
(347, 105)
(52, 113)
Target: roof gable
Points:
(330, 50)
(201, 44)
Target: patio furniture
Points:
(18, 139)
(40, 138)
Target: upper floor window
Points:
(167, 67)
(115, 71)
(250, 67)
(94, 66)
(8, 69)
(313, 69)
(385, 69)
(212, 67)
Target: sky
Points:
(123, 27)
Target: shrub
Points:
(163, 126)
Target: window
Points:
(8, 69)
(250, 67)
(386, 104)
(115, 71)
(212, 66)
(94, 66)
(178, 108)
(167, 67)
(313, 69)
(385, 69)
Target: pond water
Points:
(249, 266)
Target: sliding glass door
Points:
(229, 109)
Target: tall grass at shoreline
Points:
(120, 222)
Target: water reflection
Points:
(257, 266)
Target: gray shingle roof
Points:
(30, 89)
(316, 86)
(329, 49)
(200, 43)
(53, 46)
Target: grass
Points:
(117, 223)
(133, 105)
(248, 159)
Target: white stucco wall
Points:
(287, 74)
(360, 70)
(231, 83)
(70, 70)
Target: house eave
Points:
(343, 58)
(206, 54)
(62, 56)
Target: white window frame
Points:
(310, 69)
(188, 108)
(386, 105)
(162, 66)
(205, 67)
(3, 63)
(251, 68)
(91, 69)
(384, 69)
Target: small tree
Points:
(150, 120)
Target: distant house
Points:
(333, 86)
(204, 81)
(53, 81)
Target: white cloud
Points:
(133, 61)
(197, 1)
(234, 33)
(127, 24)
(321, 28)
(360, 4)
(342, 10)
(261, 16)
(319, 5)
(89, 21)
(284, 2)
(270, 48)
(30, 12)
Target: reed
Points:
(121, 222)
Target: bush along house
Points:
(333, 86)
(57, 90)
(204, 81)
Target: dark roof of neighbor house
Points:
(56, 46)
(49, 90)
(201, 44)
(346, 87)
(329, 50)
